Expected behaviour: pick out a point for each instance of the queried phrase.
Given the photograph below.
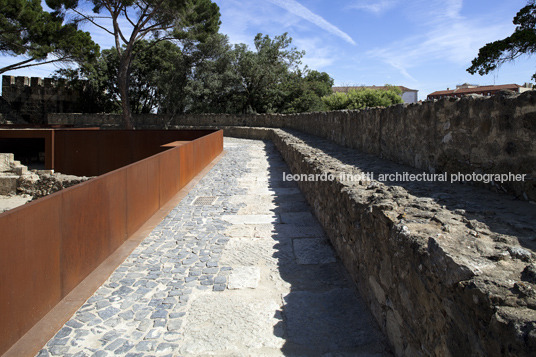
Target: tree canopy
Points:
(522, 41)
(363, 98)
(206, 77)
(40, 37)
(156, 20)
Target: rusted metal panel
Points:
(92, 153)
(143, 197)
(116, 183)
(49, 246)
(198, 152)
(169, 166)
(94, 225)
(206, 149)
(29, 266)
(187, 160)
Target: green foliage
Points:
(364, 98)
(337, 101)
(41, 37)
(271, 80)
(522, 41)
(211, 83)
(156, 20)
(153, 67)
(206, 77)
(152, 74)
(304, 92)
(221, 78)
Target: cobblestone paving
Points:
(249, 274)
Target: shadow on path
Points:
(323, 313)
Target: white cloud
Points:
(299, 10)
(446, 36)
(242, 20)
(375, 6)
(317, 55)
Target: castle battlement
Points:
(8, 82)
(30, 98)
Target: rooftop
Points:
(477, 89)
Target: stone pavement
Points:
(239, 268)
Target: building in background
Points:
(408, 95)
(466, 89)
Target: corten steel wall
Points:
(49, 246)
(92, 153)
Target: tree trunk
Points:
(123, 84)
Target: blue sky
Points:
(420, 44)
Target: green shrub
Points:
(363, 98)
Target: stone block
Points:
(8, 184)
(336, 317)
(313, 251)
(20, 170)
(245, 277)
(6, 161)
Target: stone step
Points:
(8, 184)
(20, 170)
(6, 161)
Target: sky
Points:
(420, 44)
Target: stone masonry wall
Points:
(482, 135)
(447, 269)
(29, 99)
(442, 271)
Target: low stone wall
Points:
(447, 269)
(440, 265)
(482, 135)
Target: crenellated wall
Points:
(30, 99)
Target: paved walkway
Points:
(239, 268)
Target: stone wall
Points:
(447, 269)
(482, 135)
(29, 99)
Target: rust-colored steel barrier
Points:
(49, 246)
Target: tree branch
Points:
(153, 43)
(23, 64)
(91, 20)
(142, 34)
(156, 7)
(128, 18)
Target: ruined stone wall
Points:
(481, 135)
(30, 99)
(446, 269)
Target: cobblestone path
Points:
(239, 268)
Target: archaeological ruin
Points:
(446, 268)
